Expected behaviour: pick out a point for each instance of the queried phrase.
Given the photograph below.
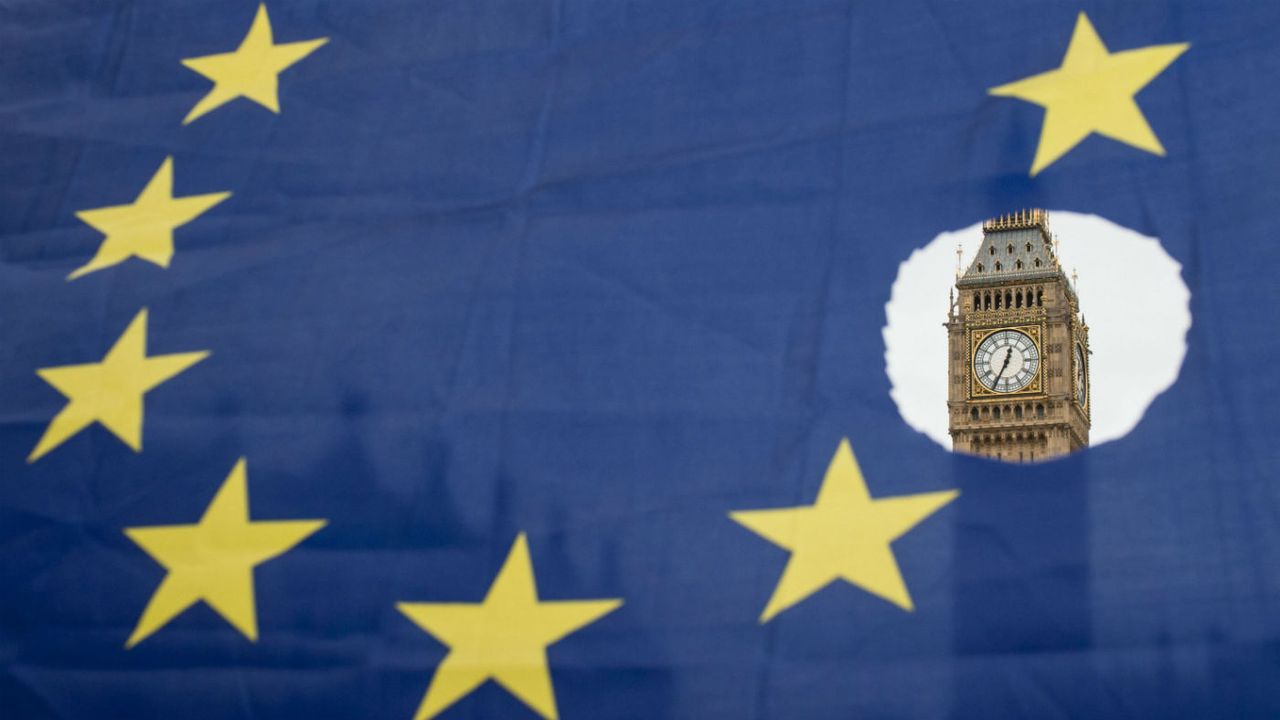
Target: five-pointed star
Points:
(110, 392)
(251, 70)
(214, 559)
(844, 535)
(1093, 92)
(144, 228)
(503, 638)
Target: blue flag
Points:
(521, 359)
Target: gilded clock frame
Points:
(1077, 342)
(978, 391)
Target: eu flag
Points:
(527, 359)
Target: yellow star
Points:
(1093, 92)
(251, 71)
(110, 392)
(503, 638)
(214, 559)
(144, 228)
(845, 535)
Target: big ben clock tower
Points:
(1019, 348)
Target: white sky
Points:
(1131, 295)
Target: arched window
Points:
(1008, 299)
(977, 301)
(1017, 265)
(998, 301)
(1017, 298)
(1010, 249)
(992, 250)
(995, 413)
(980, 268)
(1037, 262)
(999, 266)
(1017, 412)
(1039, 297)
(973, 414)
(1028, 247)
(1039, 410)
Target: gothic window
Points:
(977, 301)
(998, 298)
(1018, 298)
(1017, 265)
(999, 266)
(995, 413)
(986, 301)
(1037, 262)
(1017, 412)
(1010, 249)
(1028, 247)
(980, 267)
(1008, 299)
(1039, 297)
(992, 249)
(1039, 410)
(973, 413)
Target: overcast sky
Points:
(1132, 296)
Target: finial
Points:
(1075, 277)
(959, 254)
(1018, 220)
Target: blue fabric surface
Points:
(603, 272)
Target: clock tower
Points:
(1018, 348)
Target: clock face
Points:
(1082, 392)
(1006, 361)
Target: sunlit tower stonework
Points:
(1018, 348)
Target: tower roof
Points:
(1017, 246)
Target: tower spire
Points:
(1015, 246)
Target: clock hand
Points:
(1007, 354)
